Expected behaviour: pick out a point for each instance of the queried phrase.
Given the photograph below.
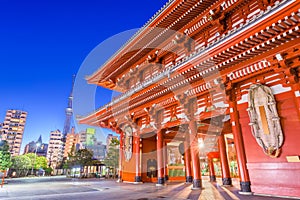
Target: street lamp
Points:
(36, 147)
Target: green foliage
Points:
(66, 165)
(114, 142)
(32, 157)
(82, 157)
(112, 158)
(21, 162)
(48, 170)
(40, 162)
(37, 162)
(5, 157)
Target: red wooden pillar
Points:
(296, 90)
(160, 159)
(165, 149)
(187, 159)
(212, 175)
(138, 177)
(121, 156)
(240, 150)
(226, 179)
(197, 182)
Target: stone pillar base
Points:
(245, 188)
(197, 184)
(119, 180)
(137, 179)
(226, 181)
(160, 181)
(212, 178)
(189, 179)
(166, 177)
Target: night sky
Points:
(43, 43)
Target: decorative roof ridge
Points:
(155, 16)
(172, 68)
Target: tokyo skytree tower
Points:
(69, 112)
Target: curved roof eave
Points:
(158, 16)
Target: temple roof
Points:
(234, 55)
(174, 15)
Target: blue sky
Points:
(43, 43)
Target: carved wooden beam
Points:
(153, 57)
(121, 83)
(188, 104)
(155, 113)
(219, 18)
(185, 42)
(288, 62)
(131, 121)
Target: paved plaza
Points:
(56, 188)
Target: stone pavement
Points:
(51, 188)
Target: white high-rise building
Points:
(55, 149)
(12, 130)
(109, 138)
(82, 139)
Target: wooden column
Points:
(226, 179)
(189, 107)
(165, 149)
(187, 159)
(296, 90)
(160, 159)
(120, 156)
(240, 150)
(197, 182)
(212, 175)
(138, 177)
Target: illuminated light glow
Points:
(200, 143)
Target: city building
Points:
(72, 140)
(37, 147)
(82, 139)
(90, 137)
(98, 149)
(55, 149)
(209, 75)
(12, 130)
(30, 147)
(87, 139)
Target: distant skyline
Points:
(43, 43)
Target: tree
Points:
(5, 157)
(21, 164)
(40, 162)
(79, 159)
(112, 158)
(82, 157)
(70, 161)
(48, 170)
(37, 162)
(32, 157)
